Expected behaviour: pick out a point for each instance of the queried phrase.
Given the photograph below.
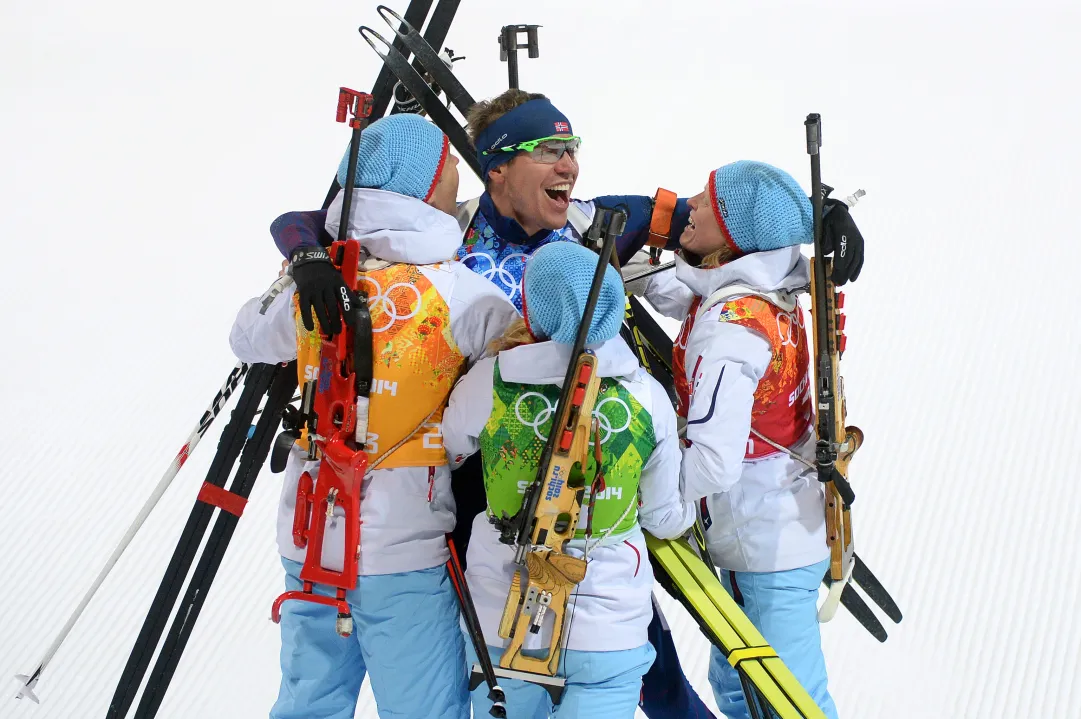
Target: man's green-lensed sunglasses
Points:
(548, 150)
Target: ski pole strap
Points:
(222, 498)
(660, 225)
(741, 655)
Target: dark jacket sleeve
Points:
(300, 229)
(639, 214)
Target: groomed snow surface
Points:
(146, 148)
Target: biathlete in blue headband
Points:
(529, 155)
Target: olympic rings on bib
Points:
(603, 421)
(384, 306)
(789, 336)
(498, 274)
(544, 414)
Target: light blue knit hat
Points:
(401, 153)
(555, 286)
(759, 207)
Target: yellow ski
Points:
(729, 629)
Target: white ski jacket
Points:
(765, 515)
(404, 516)
(611, 608)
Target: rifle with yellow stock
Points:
(837, 443)
(546, 576)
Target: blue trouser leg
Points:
(666, 693)
(321, 671)
(406, 637)
(601, 685)
(524, 700)
(783, 605)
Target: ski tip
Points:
(833, 598)
(368, 34)
(390, 16)
(827, 612)
(26, 690)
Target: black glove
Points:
(320, 287)
(839, 232)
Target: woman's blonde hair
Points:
(718, 257)
(516, 334)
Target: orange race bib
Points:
(416, 362)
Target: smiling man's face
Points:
(536, 194)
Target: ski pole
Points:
(232, 439)
(237, 374)
(476, 635)
(650, 272)
(509, 47)
(251, 461)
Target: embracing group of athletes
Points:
(474, 310)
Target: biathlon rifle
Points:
(545, 575)
(334, 411)
(836, 442)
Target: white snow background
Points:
(146, 147)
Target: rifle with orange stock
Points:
(837, 443)
(546, 576)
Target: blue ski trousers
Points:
(666, 693)
(406, 639)
(783, 605)
(600, 685)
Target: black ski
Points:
(251, 461)
(428, 59)
(229, 445)
(383, 89)
(424, 95)
(869, 583)
(853, 602)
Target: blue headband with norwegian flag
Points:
(529, 121)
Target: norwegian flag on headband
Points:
(562, 127)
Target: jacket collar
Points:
(781, 269)
(397, 228)
(507, 228)
(546, 362)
